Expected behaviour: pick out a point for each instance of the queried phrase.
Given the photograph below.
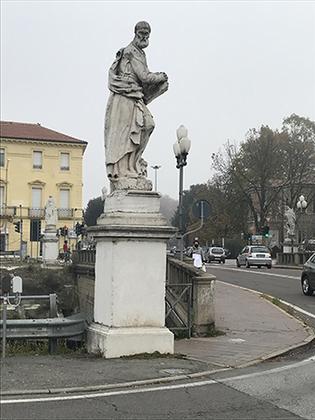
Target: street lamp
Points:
(181, 149)
(156, 168)
(302, 203)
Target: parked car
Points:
(254, 255)
(308, 276)
(215, 253)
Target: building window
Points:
(2, 157)
(36, 210)
(64, 161)
(37, 160)
(64, 211)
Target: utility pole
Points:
(21, 231)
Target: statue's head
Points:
(142, 34)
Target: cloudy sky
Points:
(232, 66)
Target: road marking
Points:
(161, 388)
(270, 371)
(263, 273)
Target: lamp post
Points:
(301, 205)
(181, 149)
(156, 168)
(6, 244)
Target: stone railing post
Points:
(203, 304)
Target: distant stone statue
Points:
(290, 223)
(128, 122)
(51, 217)
(104, 193)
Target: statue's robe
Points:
(128, 122)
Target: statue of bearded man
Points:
(128, 122)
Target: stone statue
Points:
(51, 217)
(128, 122)
(290, 223)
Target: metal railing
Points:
(50, 328)
(7, 211)
(36, 213)
(22, 212)
(178, 308)
(65, 213)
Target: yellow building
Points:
(35, 163)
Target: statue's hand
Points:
(163, 77)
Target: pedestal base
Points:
(117, 342)
(50, 248)
(130, 274)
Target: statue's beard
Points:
(142, 43)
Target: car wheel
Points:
(247, 264)
(258, 266)
(237, 263)
(306, 288)
(269, 266)
(223, 261)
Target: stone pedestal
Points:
(50, 246)
(130, 271)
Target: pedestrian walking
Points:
(197, 254)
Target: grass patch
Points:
(21, 347)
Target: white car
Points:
(257, 255)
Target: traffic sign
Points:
(201, 209)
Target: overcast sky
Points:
(232, 66)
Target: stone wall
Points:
(85, 287)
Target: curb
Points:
(131, 384)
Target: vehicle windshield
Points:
(217, 250)
(260, 249)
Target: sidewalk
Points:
(254, 330)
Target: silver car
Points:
(257, 255)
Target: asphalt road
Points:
(278, 391)
(284, 284)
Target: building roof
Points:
(27, 131)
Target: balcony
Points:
(36, 213)
(7, 212)
(65, 214)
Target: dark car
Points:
(308, 276)
(215, 253)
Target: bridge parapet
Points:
(194, 309)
